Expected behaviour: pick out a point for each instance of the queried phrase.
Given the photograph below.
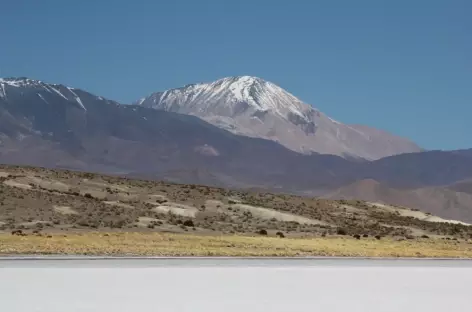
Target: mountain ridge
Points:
(254, 107)
(443, 201)
(44, 125)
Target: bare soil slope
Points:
(41, 200)
(444, 202)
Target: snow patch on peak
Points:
(141, 101)
(4, 92)
(77, 98)
(264, 95)
(241, 88)
(42, 98)
(20, 82)
(231, 95)
(59, 93)
(6, 85)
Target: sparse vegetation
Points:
(280, 234)
(189, 223)
(163, 244)
(262, 232)
(57, 201)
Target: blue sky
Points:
(402, 66)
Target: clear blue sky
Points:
(404, 66)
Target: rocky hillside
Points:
(34, 200)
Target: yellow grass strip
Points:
(163, 244)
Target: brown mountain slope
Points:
(36, 199)
(443, 202)
(462, 186)
(416, 170)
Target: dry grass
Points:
(162, 244)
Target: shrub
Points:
(189, 223)
(262, 232)
(17, 232)
(88, 195)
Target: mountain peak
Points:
(247, 80)
(250, 89)
(254, 107)
(19, 86)
(20, 81)
(229, 96)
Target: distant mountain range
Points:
(53, 125)
(257, 108)
(442, 200)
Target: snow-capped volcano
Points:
(254, 107)
(231, 96)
